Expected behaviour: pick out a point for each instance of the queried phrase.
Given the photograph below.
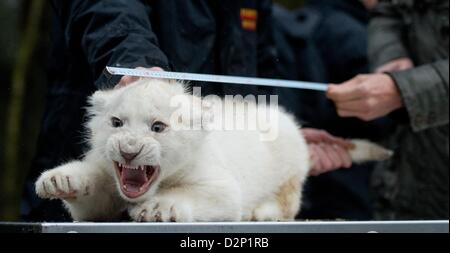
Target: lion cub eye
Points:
(158, 127)
(116, 122)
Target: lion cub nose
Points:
(129, 156)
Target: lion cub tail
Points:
(366, 151)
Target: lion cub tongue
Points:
(134, 179)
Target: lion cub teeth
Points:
(128, 167)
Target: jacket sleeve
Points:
(111, 32)
(267, 53)
(425, 94)
(386, 35)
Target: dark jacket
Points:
(222, 37)
(326, 41)
(415, 183)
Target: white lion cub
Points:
(163, 160)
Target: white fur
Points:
(366, 151)
(206, 175)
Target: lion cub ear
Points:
(98, 101)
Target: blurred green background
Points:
(24, 41)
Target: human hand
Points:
(367, 97)
(327, 152)
(126, 80)
(396, 65)
(370, 4)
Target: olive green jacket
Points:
(415, 183)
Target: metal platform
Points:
(250, 227)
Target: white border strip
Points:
(253, 227)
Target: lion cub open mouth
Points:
(135, 181)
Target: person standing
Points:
(409, 53)
(307, 45)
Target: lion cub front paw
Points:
(162, 209)
(60, 184)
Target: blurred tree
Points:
(9, 12)
(23, 111)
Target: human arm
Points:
(327, 152)
(423, 91)
(111, 32)
(386, 33)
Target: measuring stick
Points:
(218, 78)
